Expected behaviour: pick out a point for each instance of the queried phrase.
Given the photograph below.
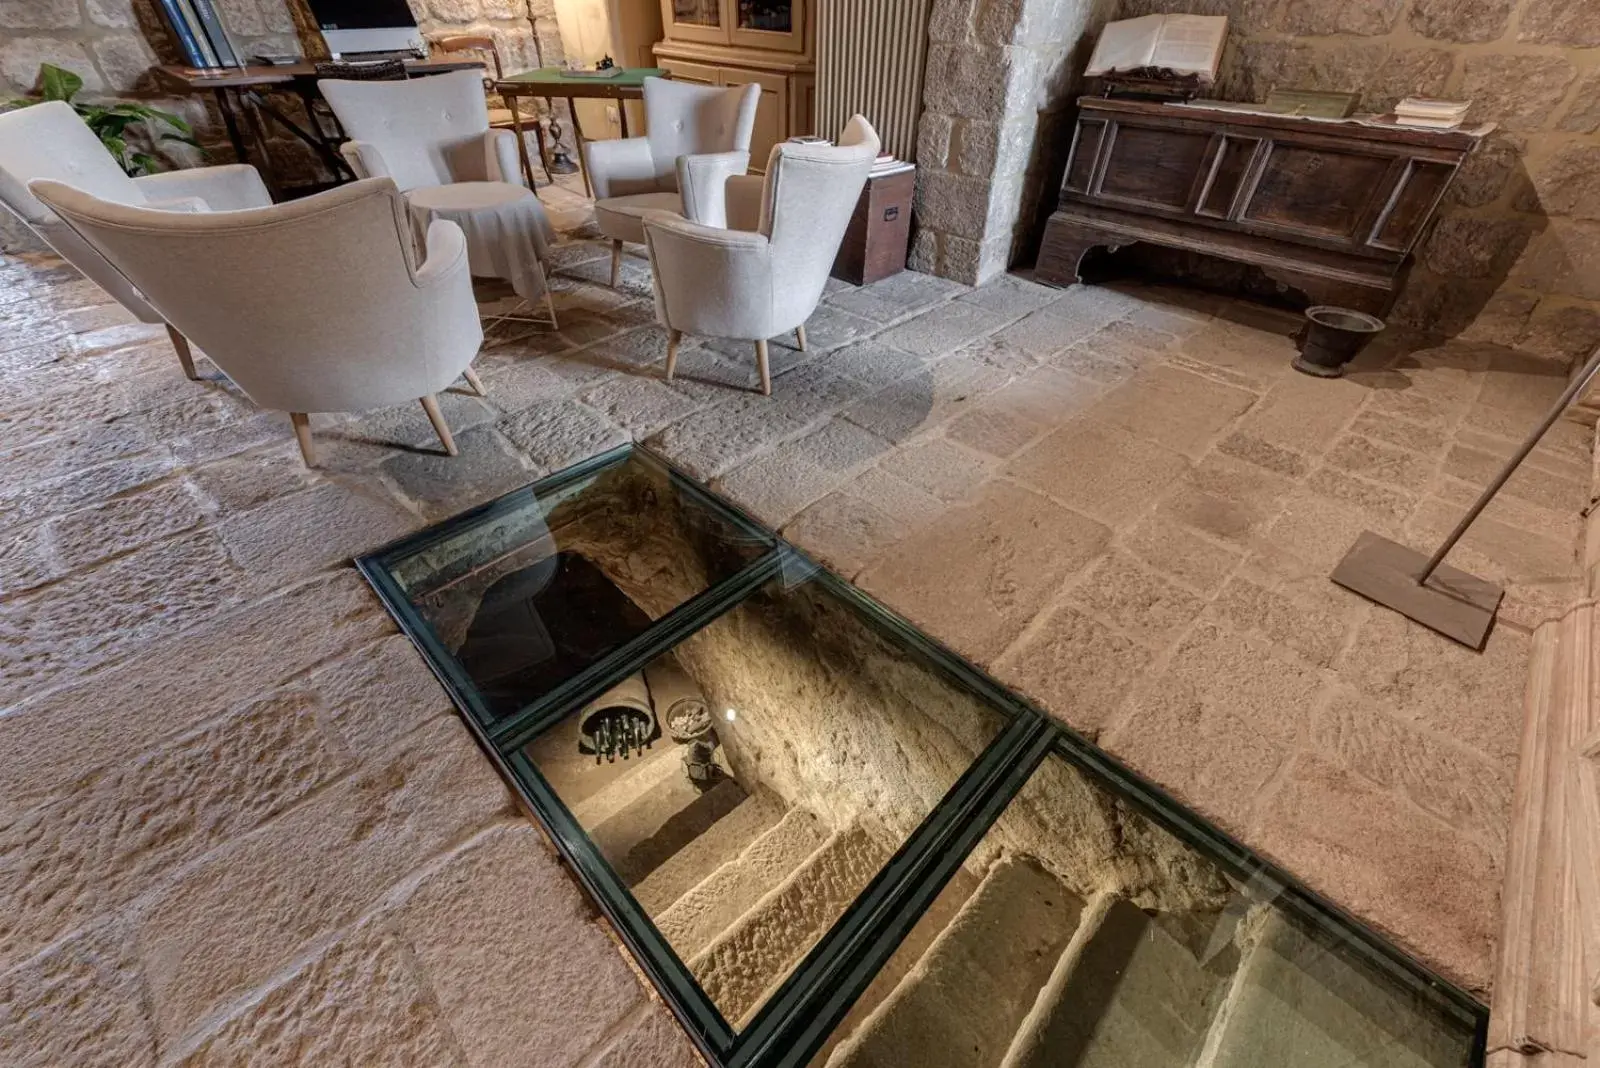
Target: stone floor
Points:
(240, 823)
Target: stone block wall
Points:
(1001, 77)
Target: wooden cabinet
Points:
(740, 42)
(1332, 209)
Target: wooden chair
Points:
(501, 118)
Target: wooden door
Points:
(778, 25)
(772, 111)
(694, 73)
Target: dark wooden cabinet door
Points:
(1151, 168)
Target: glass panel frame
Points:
(798, 1018)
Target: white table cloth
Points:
(508, 234)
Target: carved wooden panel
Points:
(1411, 205)
(1085, 154)
(1152, 168)
(1229, 167)
(1314, 192)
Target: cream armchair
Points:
(316, 305)
(765, 277)
(50, 141)
(639, 174)
(422, 131)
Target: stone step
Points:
(1297, 1001)
(713, 905)
(758, 950)
(661, 820)
(1125, 992)
(962, 1003)
(721, 842)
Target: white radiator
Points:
(870, 57)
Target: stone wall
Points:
(1001, 77)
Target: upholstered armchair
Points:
(316, 305)
(422, 131)
(49, 140)
(639, 174)
(763, 274)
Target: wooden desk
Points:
(1333, 209)
(238, 92)
(550, 82)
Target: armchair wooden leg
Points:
(766, 369)
(673, 339)
(616, 262)
(302, 433)
(185, 357)
(800, 336)
(430, 404)
(475, 382)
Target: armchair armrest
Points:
(619, 168)
(444, 254)
(742, 194)
(701, 181)
(710, 281)
(365, 159)
(187, 205)
(230, 187)
(500, 157)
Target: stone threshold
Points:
(1546, 1005)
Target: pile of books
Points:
(1435, 114)
(886, 164)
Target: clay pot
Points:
(1331, 337)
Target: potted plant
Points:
(131, 132)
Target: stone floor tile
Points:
(1176, 409)
(294, 536)
(408, 424)
(25, 560)
(234, 921)
(1451, 782)
(361, 1001)
(1414, 407)
(1107, 363)
(1264, 454)
(1475, 698)
(1361, 846)
(519, 384)
(1122, 482)
(1011, 296)
(978, 602)
(552, 434)
(1562, 465)
(236, 483)
(844, 532)
(102, 531)
(110, 612)
(943, 329)
(1304, 414)
(78, 1004)
(1261, 358)
(992, 430)
(872, 363)
(1093, 304)
(1429, 441)
(939, 467)
(1317, 531)
(1121, 592)
(437, 486)
(911, 505)
(1177, 551)
(26, 500)
(714, 440)
(475, 925)
(1041, 335)
(1529, 482)
(780, 483)
(639, 404)
(651, 1039)
(1408, 471)
(177, 685)
(830, 327)
(1310, 616)
(261, 429)
(1228, 500)
(1233, 705)
(1075, 666)
(1536, 568)
(1047, 396)
(926, 398)
(1383, 503)
(378, 693)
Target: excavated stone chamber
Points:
(828, 841)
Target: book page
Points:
(1190, 44)
(1125, 45)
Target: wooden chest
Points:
(875, 245)
(1332, 209)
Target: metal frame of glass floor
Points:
(797, 1018)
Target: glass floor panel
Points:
(797, 749)
(829, 842)
(1078, 934)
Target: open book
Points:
(1184, 44)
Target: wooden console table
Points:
(1333, 209)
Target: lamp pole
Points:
(559, 162)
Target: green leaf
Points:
(58, 84)
(144, 163)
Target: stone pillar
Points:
(1001, 76)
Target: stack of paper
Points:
(1438, 114)
(887, 164)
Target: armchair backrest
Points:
(683, 119)
(810, 193)
(311, 305)
(429, 131)
(49, 140)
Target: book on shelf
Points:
(1433, 114)
(1180, 44)
(211, 24)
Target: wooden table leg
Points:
(622, 115)
(522, 144)
(258, 133)
(230, 119)
(577, 137)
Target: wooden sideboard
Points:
(1331, 209)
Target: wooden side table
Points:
(879, 234)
